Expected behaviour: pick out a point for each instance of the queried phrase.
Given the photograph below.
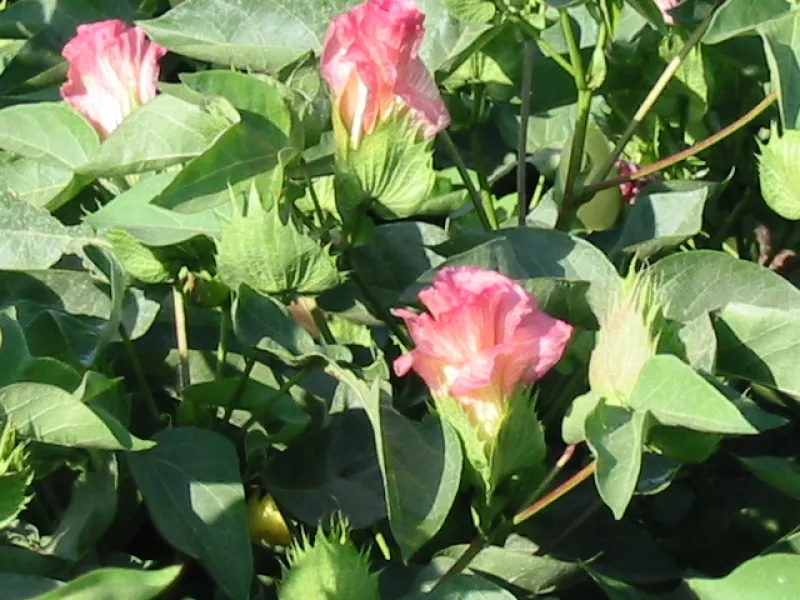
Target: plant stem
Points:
(222, 345)
(179, 305)
(474, 548)
(485, 214)
(562, 461)
(532, 33)
(653, 96)
(314, 198)
(236, 398)
(557, 493)
(688, 152)
(144, 388)
(287, 385)
(582, 121)
(522, 140)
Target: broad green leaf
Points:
(257, 35)
(780, 473)
(191, 485)
(776, 170)
(140, 262)
(421, 466)
(741, 17)
(677, 395)
(664, 216)
(92, 507)
(30, 238)
(536, 574)
(268, 251)
(37, 182)
(476, 11)
(103, 584)
(48, 131)
(333, 471)
(760, 345)
(573, 427)
(24, 587)
(385, 263)
(772, 577)
(164, 132)
(48, 414)
(650, 11)
(14, 496)
(616, 436)
(77, 295)
(14, 354)
(266, 324)
(153, 225)
(782, 45)
(462, 587)
(615, 589)
(689, 284)
(249, 152)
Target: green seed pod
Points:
(777, 169)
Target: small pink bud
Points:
(371, 62)
(481, 339)
(630, 189)
(113, 69)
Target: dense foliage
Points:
(497, 305)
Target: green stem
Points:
(653, 95)
(569, 485)
(582, 121)
(565, 457)
(479, 543)
(322, 324)
(533, 34)
(688, 152)
(314, 198)
(236, 398)
(144, 388)
(380, 311)
(222, 345)
(522, 139)
(537, 194)
(287, 385)
(181, 338)
(485, 216)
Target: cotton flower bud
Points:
(628, 337)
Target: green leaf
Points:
(782, 46)
(615, 589)
(535, 574)
(421, 467)
(14, 354)
(140, 262)
(153, 225)
(573, 427)
(677, 395)
(92, 507)
(267, 251)
(76, 296)
(257, 35)
(760, 345)
(650, 11)
(48, 414)
(462, 587)
(689, 284)
(108, 583)
(37, 182)
(13, 496)
(164, 132)
(776, 173)
(191, 485)
(48, 131)
(741, 17)
(776, 577)
(616, 436)
(264, 323)
(23, 587)
(477, 11)
(30, 238)
(664, 216)
(780, 473)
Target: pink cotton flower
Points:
(371, 63)
(113, 69)
(664, 6)
(482, 339)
